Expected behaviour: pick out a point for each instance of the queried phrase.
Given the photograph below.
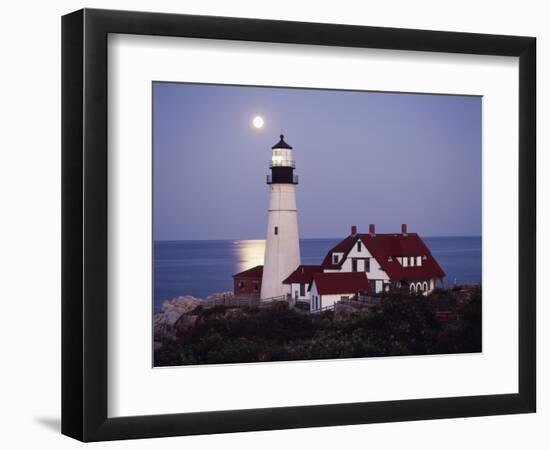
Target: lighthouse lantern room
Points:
(282, 248)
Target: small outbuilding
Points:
(248, 283)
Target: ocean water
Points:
(200, 268)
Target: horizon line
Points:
(314, 238)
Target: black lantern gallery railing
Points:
(271, 180)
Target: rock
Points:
(171, 316)
(218, 299)
(219, 295)
(164, 322)
(185, 322)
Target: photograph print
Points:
(294, 224)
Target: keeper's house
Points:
(384, 261)
(389, 260)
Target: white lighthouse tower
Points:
(282, 249)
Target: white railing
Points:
(324, 308)
(362, 300)
(279, 298)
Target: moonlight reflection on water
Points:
(249, 253)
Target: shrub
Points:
(402, 324)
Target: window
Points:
(367, 265)
(405, 262)
(358, 246)
(413, 289)
(425, 286)
(302, 289)
(241, 284)
(334, 258)
(372, 286)
(255, 285)
(276, 230)
(412, 261)
(354, 265)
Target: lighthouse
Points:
(282, 248)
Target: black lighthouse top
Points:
(282, 143)
(282, 164)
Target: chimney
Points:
(372, 229)
(353, 230)
(404, 229)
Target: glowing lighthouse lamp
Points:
(282, 249)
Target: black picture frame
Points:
(84, 224)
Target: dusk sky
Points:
(362, 157)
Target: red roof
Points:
(385, 248)
(341, 282)
(344, 246)
(254, 272)
(303, 274)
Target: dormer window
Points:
(412, 261)
(418, 260)
(335, 258)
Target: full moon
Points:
(258, 122)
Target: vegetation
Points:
(447, 321)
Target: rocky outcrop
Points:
(220, 295)
(219, 299)
(174, 316)
(177, 316)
